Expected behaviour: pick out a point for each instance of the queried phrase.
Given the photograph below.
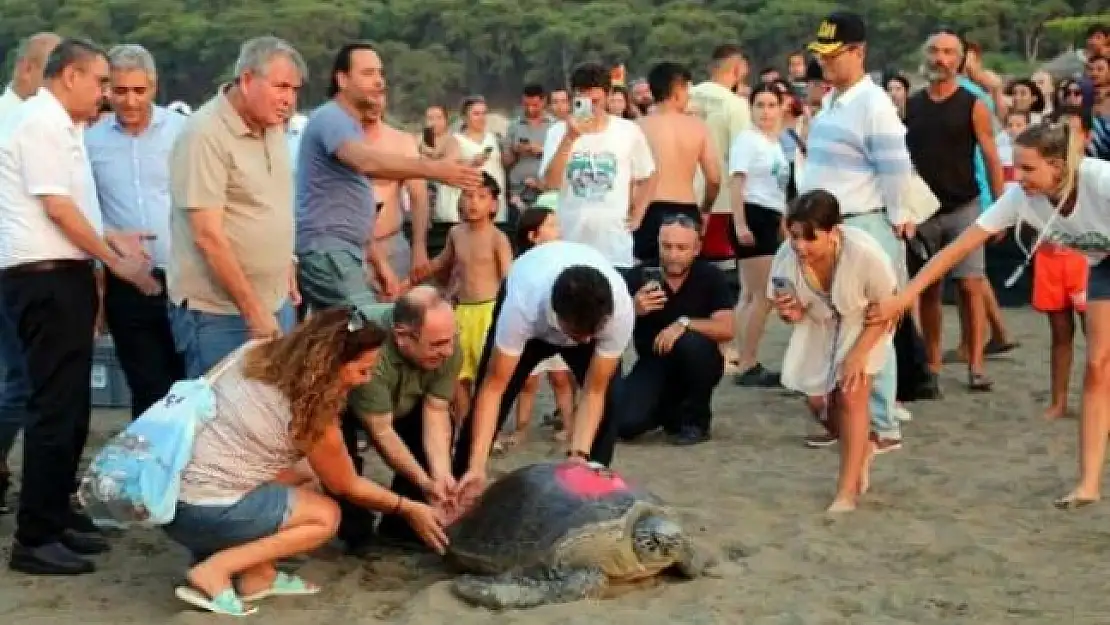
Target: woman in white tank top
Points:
(245, 501)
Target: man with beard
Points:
(683, 311)
(945, 122)
(335, 201)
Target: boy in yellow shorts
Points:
(477, 257)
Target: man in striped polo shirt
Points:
(857, 152)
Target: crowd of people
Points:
(269, 252)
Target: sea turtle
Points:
(560, 532)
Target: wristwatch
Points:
(683, 321)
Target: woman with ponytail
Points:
(1066, 198)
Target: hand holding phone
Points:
(653, 275)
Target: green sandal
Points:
(285, 585)
(226, 603)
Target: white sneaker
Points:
(901, 413)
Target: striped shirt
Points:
(1100, 137)
(857, 151)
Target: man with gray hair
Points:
(50, 233)
(232, 273)
(30, 58)
(945, 123)
(129, 152)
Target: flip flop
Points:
(285, 585)
(1073, 502)
(226, 603)
(993, 348)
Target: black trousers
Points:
(672, 391)
(536, 351)
(140, 327)
(356, 524)
(54, 312)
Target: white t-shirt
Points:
(1086, 229)
(727, 115)
(527, 312)
(596, 192)
(764, 165)
(42, 152)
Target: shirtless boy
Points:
(680, 143)
(477, 257)
(390, 259)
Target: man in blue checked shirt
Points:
(129, 152)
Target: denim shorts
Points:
(1098, 282)
(205, 530)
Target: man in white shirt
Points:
(559, 298)
(857, 151)
(30, 57)
(50, 233)
(603, 168)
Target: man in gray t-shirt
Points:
(523, 147)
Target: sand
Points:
(958, 527)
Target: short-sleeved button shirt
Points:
(218, 163)
(399, 386)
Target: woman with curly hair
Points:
(246, 500)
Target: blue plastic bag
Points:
(135, 479)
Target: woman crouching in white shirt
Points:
(245, 502)
(1066, 197)
(822, 281)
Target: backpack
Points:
(135, 478)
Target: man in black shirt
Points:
(944, 124)
(683, 311)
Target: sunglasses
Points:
(356, 320)
(682, 220)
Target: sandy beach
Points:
(958, 527)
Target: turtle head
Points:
(657, 539)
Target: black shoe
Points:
(49, 559)
(5, 484)
(80, 523)
(690, 435)
(84, 544)
(758, 376)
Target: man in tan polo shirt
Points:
(232, 276)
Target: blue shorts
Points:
(205, 530)
(1098, 282)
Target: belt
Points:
(42, 266)
(873, 211)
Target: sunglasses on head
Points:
(680, 219)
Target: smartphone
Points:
(583, 108)
(429, 136)
(653, 274)
(782, 286)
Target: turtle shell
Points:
(526, 517)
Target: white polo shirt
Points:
(9, 101)
(527, 312)
(42, 152)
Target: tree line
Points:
(441, 50)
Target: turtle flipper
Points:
(529, 589)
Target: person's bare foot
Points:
(256, 583)
(842, 504)
(208, 580)
(1055, 411)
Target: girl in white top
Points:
(477, 145)
(758, 175)
(822, 282)
(246, 501)
(1066, 197)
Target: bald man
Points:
(404, 407)
(30, 59)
